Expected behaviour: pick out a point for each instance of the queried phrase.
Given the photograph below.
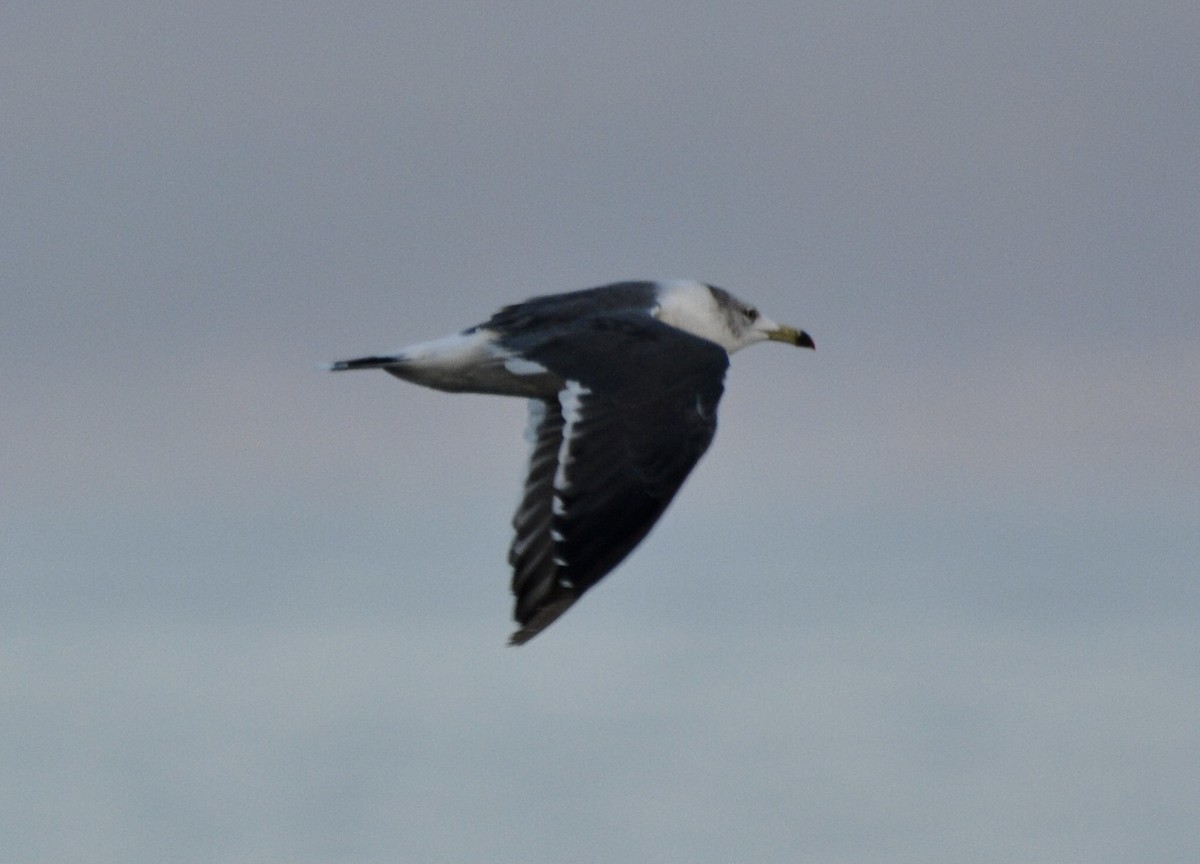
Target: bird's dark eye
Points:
(751, 313)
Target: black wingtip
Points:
(361, 363)
(546, 613)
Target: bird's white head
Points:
(715, 314)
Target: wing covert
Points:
(638, 412)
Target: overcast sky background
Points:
(931, 597)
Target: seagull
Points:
(623, 382)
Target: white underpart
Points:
(520, 366)
(691, 307)
(571, 399)
(470, 361)
(455, 351)
(537, 413)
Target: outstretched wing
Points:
(638, 410)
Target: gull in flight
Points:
(623, 383)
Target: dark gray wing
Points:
(532, 552)
(638, 411)
(539, 314)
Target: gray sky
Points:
(932, 596)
